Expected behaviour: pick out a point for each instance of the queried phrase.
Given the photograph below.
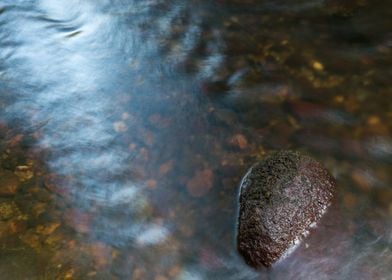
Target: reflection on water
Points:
(127, 125)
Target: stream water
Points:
(126, 126)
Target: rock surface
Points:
(282, 197)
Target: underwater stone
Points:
(281, 198)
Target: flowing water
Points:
(126, 126)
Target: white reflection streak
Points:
(70, 99)
(154, 235)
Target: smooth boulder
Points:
(281, 198)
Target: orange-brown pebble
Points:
(47, 229)
(339, 99)
(11, 228)
(160, 277)
(8, 183)
(16, 226)
(238, 141)
(373, 120)
(174, 271)
(166, 167)
(132, 146)
(101, 254)
(137, 274)
(77, 220)
(317, 66)
(148, 137)
(360, 179)
(15, 140)
(201, 183)
(350, 200)
(151, 183)
(159, 121)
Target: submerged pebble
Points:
(9, 183)
(281, 198)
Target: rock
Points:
(281, 198)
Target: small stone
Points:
(120, 126)
(92, 274)
(166, 167)
(151, 183)
(101, 254)
(373, 120)
(8, 210)
(174, 271)
(47, 229)
(31, 239)
(361, 179)
(77, 220)
(148, 137)
(159, 121)
(58, 185)
(339, 99)
(238, 141)
(132, 146)
(307, 110)
(282, 197)
(69, 274)
(11, 227)
(201, 183)
(14, 141)
(9, 183)
(160, 277)
(24, 172)
(125, 116)
(317, 66)
(138, 274)
(350, 200)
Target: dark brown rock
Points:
(282, 198)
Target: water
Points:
(126, 127)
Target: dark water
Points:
(126, 127)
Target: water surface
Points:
(126, 127)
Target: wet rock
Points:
(282, 198)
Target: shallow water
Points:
(126, 127)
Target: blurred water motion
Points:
(126, 127)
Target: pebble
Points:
(77, 220)
(201, 183)
(238, 141)
(24, 172)
(151, 183)
(9, 183)
(8, 210)
(166, 167)
(120, 126)
(317, 66)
